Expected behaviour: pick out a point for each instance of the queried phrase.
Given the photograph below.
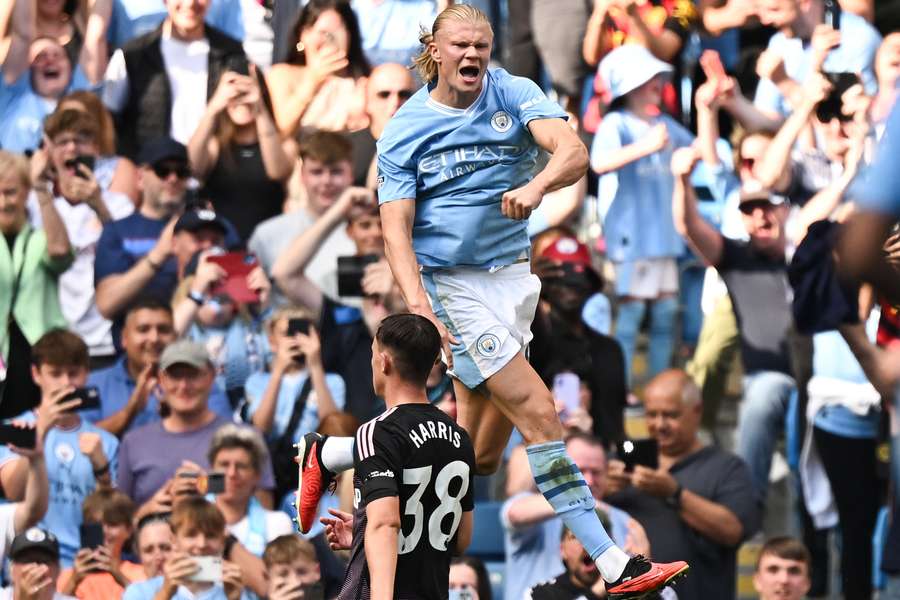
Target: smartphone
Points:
(644, 452)
(350, 273)
(23, 437)
(209, 569)
(263, 90)
(91, 535)
(296, 326)
(89, 396)
(215, 483)
(84, 159)
(567, 389)
(832, 14)
(237, 266)
(313, 591)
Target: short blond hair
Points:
(424, 63)
(17, 165)
(284, 549)
(287, 312)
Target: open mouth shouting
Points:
(470, 74)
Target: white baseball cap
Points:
(628, 67)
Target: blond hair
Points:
(424, 63)
(16, 165)
(284, 549)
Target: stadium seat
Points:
(487, 537)
(497, 574)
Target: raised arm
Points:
(58, 245)
(21, 34)
(701, 235)
(33, 507)
(652, 142)
(734, 14)
(203, 147)
(94, 51)
(595, 44)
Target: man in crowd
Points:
(199, 530)
(755, 273)
(72, 137)
(699, 502)
(325, 173)
(389, 86)
(158, 84)
(533, 529)
(80, 457)
(782, 570)
(346, 331)
(151, 454)
(128, 389)
(34, 567)
(133, 254)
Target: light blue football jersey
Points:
(458, 163)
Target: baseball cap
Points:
(34, 539)
(753, 191)
(567, 249)
(185, 352)
(160, 149)
(195, 220)
(628, 67)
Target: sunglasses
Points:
(751, 205)
(163, 171)
(385, 94)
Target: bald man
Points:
(699, 503)
(389, 86)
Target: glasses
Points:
(163, 171)
(403, 94)
(751, 205)
(78, 140)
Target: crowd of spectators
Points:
(193, 270)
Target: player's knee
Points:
(487, 462)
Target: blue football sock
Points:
(561, 483)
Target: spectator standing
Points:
(790, 58)
(84, 207)
(34, 567)
(80, 457)
(321, 84)
(699, 503)
(31, 262)
(782, 570)
(37, 72)
(755, 273)
(346, 331)
(240, 454)
(238, 152)
(159, 83)
(102, 572)
(389, 86)
(134, 254)
(390, 29)
(325, 172)
(186, 377)
(631, 153)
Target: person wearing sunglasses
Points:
(135, 254)
(389, 86)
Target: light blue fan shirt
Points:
(458, 163)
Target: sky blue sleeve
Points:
(337, 388)
(878, 188)
(111, 448)
(527, 101)
(219, 404)
(608, 137)
(679, 135)
(253, 391)
(395, 182)
(228, 17)
(768, 98)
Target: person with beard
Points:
(564, 342)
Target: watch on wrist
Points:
(674, 501)
(196, 297)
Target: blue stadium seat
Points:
(497, 574)
(487, 537)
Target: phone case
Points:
(237, 265)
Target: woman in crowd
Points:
(114, 173)
(239, 154)
(322, 83)
(631, 153)
(239, 454)
(101, 573)
(154, 542)
(467, 574)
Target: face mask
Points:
(460, 595)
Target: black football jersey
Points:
(419, 454)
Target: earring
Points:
(300, 47)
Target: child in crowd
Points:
(631, 152)
(100, 573)
(292, 567)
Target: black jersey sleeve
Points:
(378, 461)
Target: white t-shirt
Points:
(76, 285)
(277, 524)
(8, 527)
(187, 66)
